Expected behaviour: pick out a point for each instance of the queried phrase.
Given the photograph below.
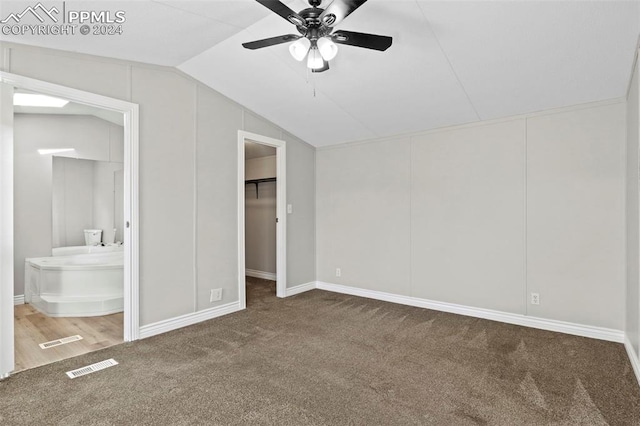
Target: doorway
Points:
(127, 178)
(262, 178)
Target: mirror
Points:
(86, 194)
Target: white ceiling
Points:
(72, 108)
(451, 62)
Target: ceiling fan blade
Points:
(338, 10)
(258, 44)
(325, 66)
(284, 11)
(368, 41)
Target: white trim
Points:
(18, 300)
(281, 212)
(188, 319)
(7, 355)
(131, 203)
(633, 358)
(242, 291)
(261, 274)
(291, 291)
(506, 317)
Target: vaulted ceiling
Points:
(451, 62)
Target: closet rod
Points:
(257, 181)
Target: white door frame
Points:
(6, 230)
(281, 213)
(131, 212)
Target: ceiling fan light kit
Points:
(314, 60)
(327, 48)
(299, 48)
(317, 39)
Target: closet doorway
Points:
(261, 212)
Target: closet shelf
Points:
(258, 181)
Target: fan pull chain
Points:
(311, 80)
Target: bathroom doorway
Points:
(261, 214)
(74, 274)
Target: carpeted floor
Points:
(329, 359)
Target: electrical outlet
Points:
(216, 295)
(535, 298)
(338, 272)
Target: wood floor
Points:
(33, 328)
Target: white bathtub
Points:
(80, 285)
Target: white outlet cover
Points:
(216, 295)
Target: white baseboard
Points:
(18, 300)
(300, 289)
(188, 319)
(506, 317)
(260, 274)
(633, 357)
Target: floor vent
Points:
(92, 368)
(59, 342)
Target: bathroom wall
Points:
(71, 200)
(84, 198)
(105, 194)
(260, 216)
(91, 137)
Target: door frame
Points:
(131, 206)
(281, 213)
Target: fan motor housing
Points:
(314, 27)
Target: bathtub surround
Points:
(79, 283)
(92, 139)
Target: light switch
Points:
(289, 208)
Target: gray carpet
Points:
(329, 359)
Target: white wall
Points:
(467, 216)
(260, 215)
(259, 168)
(84, 197)
(188, 175)
(72, 200)
(108, 196)
(484, 214)
(92, 138)
(575, 215)
(632, 320)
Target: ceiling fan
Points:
(317, 40)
